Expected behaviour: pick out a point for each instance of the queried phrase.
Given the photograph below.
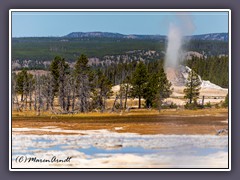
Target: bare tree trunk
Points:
(203, 101)
(17, 102)
(68, 103)
(13, 90)
(30, 97)
(68, 92)
(101, 103)
(30, 100)
(35, 94)
(104, 103)
(62, 84)
(38, 104)
(26, 97)
(114, 103)
(51, 95)
(39, 94)
(47, 102)
(160, 103)
(30, 88)
(121, 97)
(83, 93)
(73, 99)
(25, 92)
(139, 102)
(126, 97)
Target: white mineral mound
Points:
(178, 77)
(208, 84)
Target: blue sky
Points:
(32, 24)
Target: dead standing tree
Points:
(68, 90)
(48, 91)
(31, 89)
(38, 104)
(51, 94)
(104, 85)
(25, 91)
(14, 92)
(74, 89)
(83, 94)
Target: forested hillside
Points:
(70, 48)
(46, 48)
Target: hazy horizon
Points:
(114, 33)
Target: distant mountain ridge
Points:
(210, 36)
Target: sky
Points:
(39, 24)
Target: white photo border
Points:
(118, 169)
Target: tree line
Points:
(84, 88)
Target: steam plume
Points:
(174, 46)
(183, 27)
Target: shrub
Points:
(169, 106)
(217, 106)
(208, 105)
(225, 103)
(173, 106)
(191, 106)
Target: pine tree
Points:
(82, 83)
(24, 85)
(59, 69)
(151, 90)
(192, 87)
(54, 69)
(20, 78)
(164, 88)
(139, 82)
(158, 88)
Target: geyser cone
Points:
(175, 75)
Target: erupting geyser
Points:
(173, 54)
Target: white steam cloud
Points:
(183, 27)
(174, 46)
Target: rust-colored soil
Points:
(138, 121)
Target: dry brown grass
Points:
(133, 112)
